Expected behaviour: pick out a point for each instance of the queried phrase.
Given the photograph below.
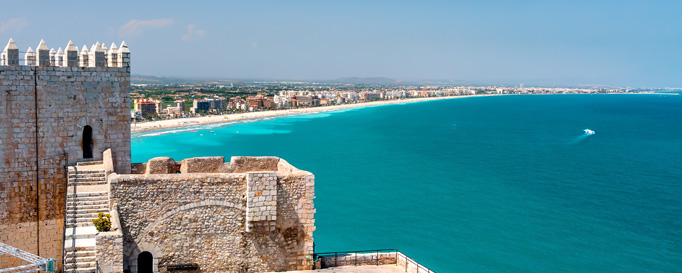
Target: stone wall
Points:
(261, 201)
(109, 246)
(109, 252)
(202, 217)
(57, 103)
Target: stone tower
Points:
(54, 114)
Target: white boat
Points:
(589, 132)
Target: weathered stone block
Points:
(211, 164)
(160, 165)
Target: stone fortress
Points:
(65, 152)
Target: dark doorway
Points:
(145, 263)
(87, 141)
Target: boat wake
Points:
(586, 133)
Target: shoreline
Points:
(165, 124)
(194, 121)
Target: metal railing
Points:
(66, 200)
(350, 258)
(35, 262)
(409, 260)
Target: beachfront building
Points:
(176, 109)
(395, 94)
(350, 97)
(237, 103)
(200, 106)
(218, 104)
(371, 95)
(179, 104)
(147, 107)
(305, 101)
(260, 101)
(282, 101)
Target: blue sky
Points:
(618, 43)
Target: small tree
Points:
(102, 222)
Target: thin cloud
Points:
(136, 27)
(193, 32)
(13, 24)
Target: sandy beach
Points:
(184, 122)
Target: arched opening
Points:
(145, 262)
(87, 141)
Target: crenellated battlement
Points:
(97, 56)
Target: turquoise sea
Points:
(482, 184)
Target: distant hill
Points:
(144, 79)
(367, 80)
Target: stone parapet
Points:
(210, 164)
(109, 247)
(254, 221)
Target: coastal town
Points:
(160, 100)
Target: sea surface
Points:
(481, 184)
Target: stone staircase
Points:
(86, 197)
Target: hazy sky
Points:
(623, 43)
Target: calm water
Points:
(488, 184)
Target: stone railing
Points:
(109, 246)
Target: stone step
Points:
(79, 236)
(82, 204)
(88, 163)
(79, 251)
(71, 197)
(80, 220)
(87, 172)
(86, 175)
(87, 204)
(79, 265)
(80, 178)
(87, 244)
(89, 215)
(79, 233)
(78, 211)
(73, 211)
(76, 171)
(81, 270)
(89, 194)
(83, 184)
(78, 206)
(85, 258)
(86, 183)
(87, 199)
(72, 225)
(86, 179)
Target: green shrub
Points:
(102, 222)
